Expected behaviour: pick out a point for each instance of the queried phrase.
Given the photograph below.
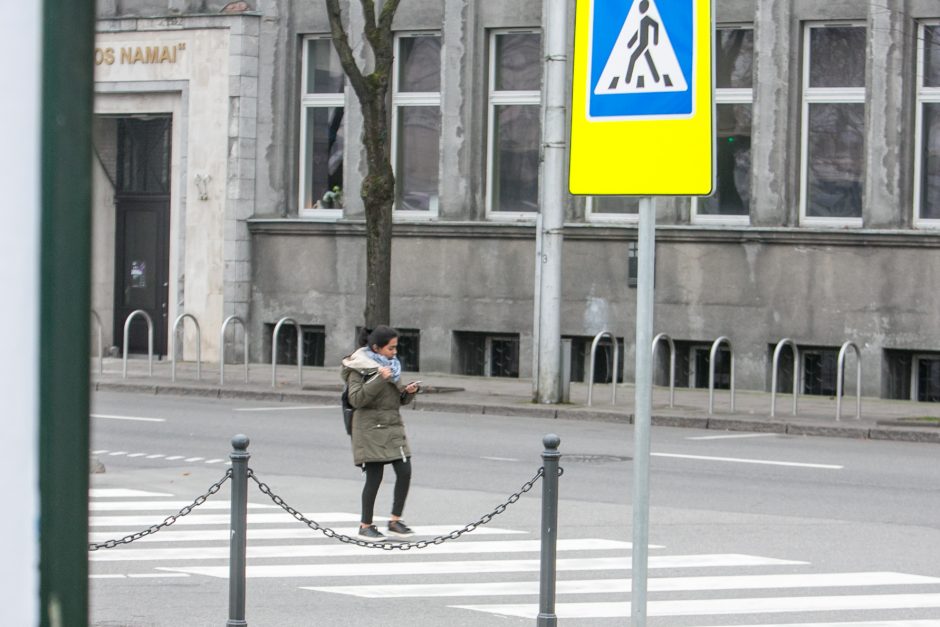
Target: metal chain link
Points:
(401, 546)
(169, 520)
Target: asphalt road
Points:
(746, 529)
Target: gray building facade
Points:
(824, 227)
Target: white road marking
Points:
(135, 418)
(136, 454)
(867, 623)
(344, 550)
(397, 569)
(716, 607)
(733, 436)
(156, 456)
(113, 453)
(218, 519)
(223, 535)
(138, 506)
(288, 408)
(174, 457)
(99, 451)
(214, 461)
(100, 493)
(193, 459)
(742, 460)
(660, 584)
(500, 459)
(138, 576)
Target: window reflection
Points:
(835, 160)
(930, 164)
(419, 131)
(516, 167)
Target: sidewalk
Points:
(880, 419)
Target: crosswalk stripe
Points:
(341, 550)
(716, 607)
(865, 623)
(398, 568)
(106, 493)
(136, 506)
(219, 519)
(661, 584)
(298, 531)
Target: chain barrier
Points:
(169, 520)
(401, 546)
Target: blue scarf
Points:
(392, 363)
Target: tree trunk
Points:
(378, 196)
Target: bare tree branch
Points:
(343, 49)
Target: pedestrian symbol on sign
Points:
(642, 59)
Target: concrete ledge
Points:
(905, 435)
(759, 426)
(683, 422)
(445, 407)
(179, 390)
(532, 411)
(104, 386)
(830, 431)
(251, 395)
(571, 413)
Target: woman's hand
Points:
(385, 372)
(412, 388)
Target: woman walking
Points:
(373, 378)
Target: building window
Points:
(603, 359)
(730, 202)
(927, 162)
(314, 339)
(833, 129)
(487, 355)
(820, 371)
(321, 130)
(416, 120)
(514, 123)
(613, 208)
(912, 376)
(409, 349)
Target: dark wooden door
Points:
(142, 231)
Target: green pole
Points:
(68, 34)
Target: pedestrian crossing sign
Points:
(642, 105)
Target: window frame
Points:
(823, 95)
(495, 98)
(609, 217)
(402, 99)
(309, 101)
(727, 96)
(924, 95)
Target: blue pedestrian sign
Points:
(641, 59)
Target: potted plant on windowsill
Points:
(333, 198)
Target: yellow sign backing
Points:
(642, 104)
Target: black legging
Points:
(374, 472)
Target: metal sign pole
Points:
(646, 236)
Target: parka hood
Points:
(360, 361)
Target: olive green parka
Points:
(378, 432)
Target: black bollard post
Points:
(239, 510)
(550, 458)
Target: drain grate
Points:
(593, 459)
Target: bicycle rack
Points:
(711, 372)
(222, 347)
(300, 351)
(672, 364)
(796, 374)
(127, 326)
(97, 319)
(176, 324)
(613, 389)
(840, 375)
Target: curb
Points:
(758, 425)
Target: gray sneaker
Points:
(400, 529)
(370, 534)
